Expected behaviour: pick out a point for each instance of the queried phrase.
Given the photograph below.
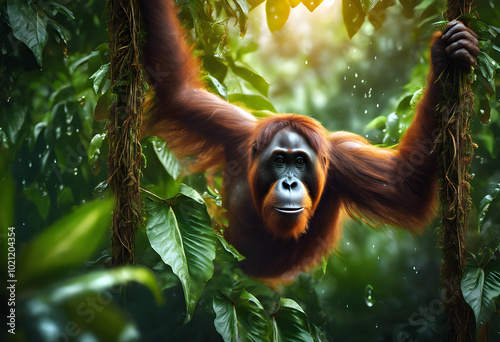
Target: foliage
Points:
(54, 70)
(481, 279)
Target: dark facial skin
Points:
(290, 161)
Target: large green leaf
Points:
(166, 157)
(101, 280)
(242, 320)
(65, 245)
(183, 237)
(28, 25)
(481, 287)
(290, 323)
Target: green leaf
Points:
(318, 335)
(378, 12)
(101, 109)
(378, 122)
(98, 281)
(63, 32)
(63, 10)
(100, 78)
(277, 12)
(260, 84)
(65, 245)
(12, 119)
(94, 151)
(487, 67)
(166, 157)
(246, 49)
(353, 15)
(392, 125)
(290, 323)
(242, 320)
(183, 237)
(481, 287)
(486, 202)
(415, 99)
(29, 26)
(252, 102)
(242, 8)
(215, 86)
(312, 4)
(230, 248)
(40, 199)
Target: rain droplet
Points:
(369, 299)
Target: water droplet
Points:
(366, 110)
(369, 299)
(356, 75)
(306, 62)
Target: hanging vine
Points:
(455, 150)
(125, 154)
